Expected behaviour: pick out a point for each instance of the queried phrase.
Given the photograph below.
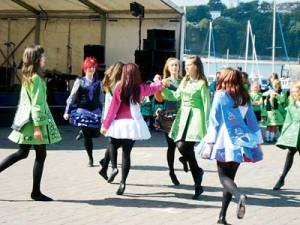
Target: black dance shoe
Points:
(40, 197)
(278, 185)
(113, 175)
(198, 192)
(79, 135)
(174, 178)
(222, 220)
(241, 207)
(184, 163)
(91, 163)
(121, 189)
(103, 173)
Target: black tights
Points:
(288, 163)
(170, 152)
(106, 159)
(22, 153)
(227, 172)
(88, 135)
(127, 145)
(186, 149)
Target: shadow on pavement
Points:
(68, 134)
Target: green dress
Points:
(146, 107)
(290, 133)
(40, 115)
(193, 113)
(254, 97)
(275, 114)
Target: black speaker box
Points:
(152, 62)
(97, 51)
(156, 34)
(160, 44)
(6, 74)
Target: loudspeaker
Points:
(155, 34)
(137, 9)
(97, 51)
(158, 47)
(160, 44)
(152, 62)
(6, 76)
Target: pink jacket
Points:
(121, 110)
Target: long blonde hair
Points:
(111, 76)
(166, 72)
(295, 93)
(200, 71)
(31, 63)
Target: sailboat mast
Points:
(274, 37)
(227, 57)
(247, 46)
(209, 43)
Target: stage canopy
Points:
(64, 27)
(15, 8)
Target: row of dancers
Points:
(224, 129)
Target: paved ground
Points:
(82, 197)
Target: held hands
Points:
(207, 150)
(165, 83)
(103, 131)
(37, 134)
(66, 116)
(273, 95)
(156, 78)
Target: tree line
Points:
(229, 29)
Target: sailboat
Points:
(285, 80)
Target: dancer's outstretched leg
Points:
(287, 166)
(22, 153)
(113, 155)
(170, 158)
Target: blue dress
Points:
(233, 130)
(84, 104)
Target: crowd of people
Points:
(220, 121)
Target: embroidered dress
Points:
(193, 113)
(234, 140)
(275, 110)
(290, 133)
(34, 96)
(146, 107)
(84, 103)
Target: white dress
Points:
(134, 129)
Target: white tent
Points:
(63, 27)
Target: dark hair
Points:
(130, 84)
(231, 81)
(196, 60)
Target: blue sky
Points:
(198, 2)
